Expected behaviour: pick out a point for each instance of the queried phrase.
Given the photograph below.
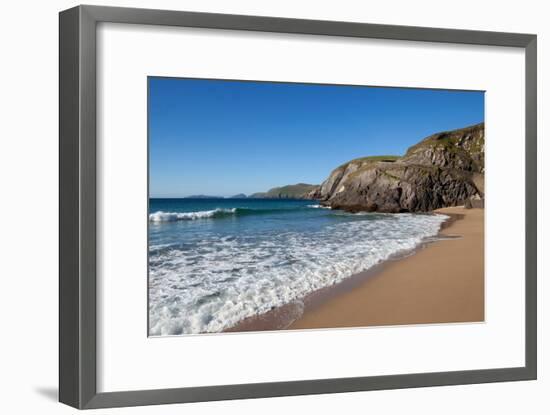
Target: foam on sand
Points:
(216, 282)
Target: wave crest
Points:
(318, 207)
(161, 216)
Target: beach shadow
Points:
(50, 393)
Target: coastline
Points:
(441, 281)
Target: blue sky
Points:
(221, 138)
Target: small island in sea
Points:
(337, 206)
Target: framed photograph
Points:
(257, 207)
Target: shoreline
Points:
(439, 281)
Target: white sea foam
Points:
(219, 281)
(161, 216)
(318, 207)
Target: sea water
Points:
(214, 262)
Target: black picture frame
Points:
(77, 205)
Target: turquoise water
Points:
(213, 262)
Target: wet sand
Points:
(441, 282)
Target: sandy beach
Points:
(443, 282)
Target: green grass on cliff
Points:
(448, 139)
(377, 158)
(290, 191)
(371, 159)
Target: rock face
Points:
(292, 191)
(444, 169)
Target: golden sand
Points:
(441, 283)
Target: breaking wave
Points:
(161, 216)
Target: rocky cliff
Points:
(444, 169)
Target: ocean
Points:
(214, 262)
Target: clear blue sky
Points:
(226, 137)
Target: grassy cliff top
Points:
(450, 139)
(467, 141)
(370, 159)
(290, 191)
